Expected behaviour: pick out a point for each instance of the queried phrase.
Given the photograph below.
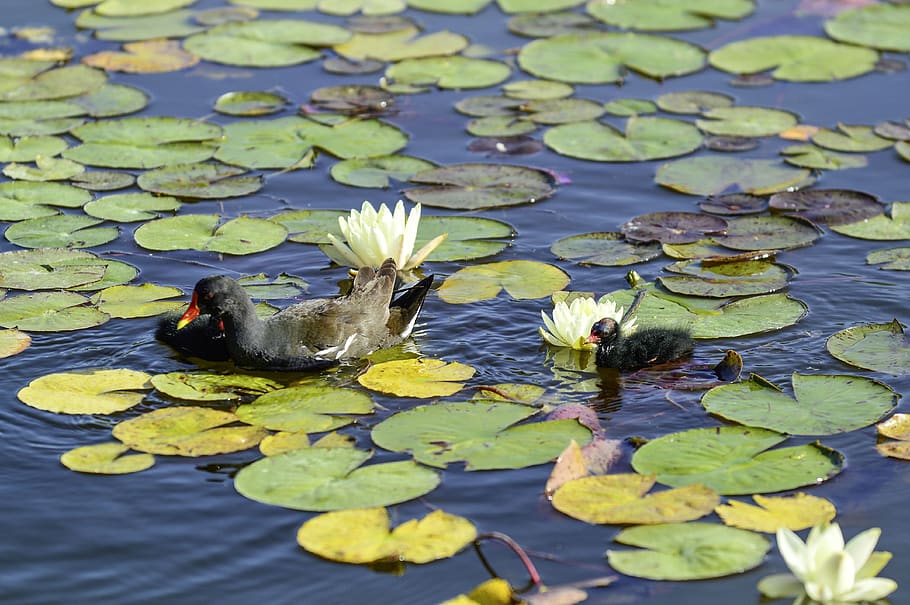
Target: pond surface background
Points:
(179, 533)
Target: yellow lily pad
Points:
(285, 441)
(205, 386)
(312, 408)
(13, 341)
(187, 431)
(416, 377)
(896, 427)
(520, 278)
(795, 512)
(144, 57)
(137, 301)
(105, 459)
(364, 536)
(86, 391)
(621, 499)
(492, 592)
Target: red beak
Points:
(191, 313)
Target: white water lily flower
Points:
(827, 571)
(571, 324)
(372, 236)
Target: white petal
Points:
(823, 542)
(793, 550)
(550, 338)
(838, 572)
(346, 252)
(870, 589)
(421, 254)
(861, 546)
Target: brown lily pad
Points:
(673, 227)
(828, 206)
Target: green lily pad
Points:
(112, 100)
(521, 279)
(144, 142)
(365, 536)
(242, 235)
(311, 226)
(879, 26)
(449, 72)
(86, 391)
(125, 8)
(891, 259)
(49, 312)
(401, 44)
(687, 551)
(250, 103)
(205, 386)
(795, 58)
(187, 431)
(307, 408)
(810, 156)
(714, 175)
(467, 237)
(851, 138)
(103, 180)
(721, 280)
(284, 286)
(828, 206)
(821, 405)
(644, 139)
(451, 7)
(59, 83)
(48, 169)
(562, 111)
(484, 106)
(499, 126)
(321, 479)
(622, 499)
(13, 342)
(116, 273)
(416, 377)
(735, 460)
(672, 227)
(353, 99)
(144, 300)
(131, 207)
(28, 148)
(664, 15)
(199, 181)
(265, 43)
(537, 89)
(881, 227)
(106, 459)
(880, 347)
(751, 315)
(48, 269)
(630, 107)
(742, 121)
(768, 233)
(20, 200)
(378, 172)
(60, 231)
(480, 434)
(604, 248)
(285, 142)
(545, 25)
(602, 58)
(693, 101)
(475, 186)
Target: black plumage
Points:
(645, 347)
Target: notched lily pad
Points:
(604, 248)
(721, 280)
(308, 408)
(769, 233)
(106, 459)
(49, 312)
(733, 204)
(828, 206)
(892, 226)
(199, 181)
(645, 139)
(796, 512)
(204, 386)
(659, 15)
(521, 279)
(890, 259)
(880, 347)
(86, 391)
(242, 235)
(417, 377)
(716, 175)
(378, 172)
(673, 227)
(475, 186)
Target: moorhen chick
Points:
(644, 347)
(310, 335)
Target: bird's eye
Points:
(208, 296)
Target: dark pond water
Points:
(178, 533)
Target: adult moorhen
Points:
(644, 347)
(310, 335)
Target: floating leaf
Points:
(242, 235)
(378, 171)
(137, 301)
(735, 460)
(48, 169)
(323, 479)
(125, 8)
(467, 237)
(187, 431)
(60, 231)
(474, 186)
(891, 259)
(13, 342)
(605, 248)
(416, 377)
(881, 227)
(265, 43)
(58, 83)
(537, 89)
(112, 100)
(203, 386)
(28, 149)
(742, 121)
(828, 206)
(308, 408)
(672, 227)
(480, 434)
(796, 512)
(769, 233)
(644, 139)
(693, 101)
(202, 181)
(620, 499)
(147, 142)
(521, 279)
(821, 404)
(106, 459)
(250, 103)
(851, 138)
(734, 204)
(810, 156)
(145, 57)
(49, 312)
(365, 536)
(878, 347)
(795, 58)
(712, 175)
(601, 58)
(401, 44)
(896, 427)
(99, 180)
(721, 280)
(660, 15)
(630, 107)
(751, 315)
(687, 551)
(86, 391)
(131, 207)
(449, 72)
(21, 200)
(311, 226)
(882, 26)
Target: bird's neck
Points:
(242, 327)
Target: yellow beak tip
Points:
(183, 323)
